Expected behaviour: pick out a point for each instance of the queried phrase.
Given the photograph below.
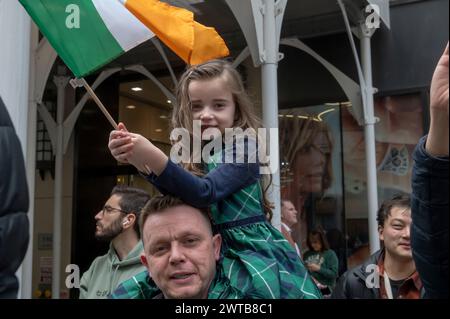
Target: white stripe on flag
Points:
(123, 25)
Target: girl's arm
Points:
(170, 178)
(218, 184)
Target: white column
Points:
(16, 87)
(369, 129)
(61, 83)
(270, 100)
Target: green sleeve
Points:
(329, 268)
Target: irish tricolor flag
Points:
(87, 34)
(176, 27)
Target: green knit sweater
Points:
(329, 265)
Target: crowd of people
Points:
(207, 235)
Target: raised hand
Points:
(439, 85)
(438, 139)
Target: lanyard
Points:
(387, 285)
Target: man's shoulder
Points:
(97, 263)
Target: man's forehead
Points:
(113, 199)
(178, 220)
(400, 212)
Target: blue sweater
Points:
(429, 231)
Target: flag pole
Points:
(82, 82)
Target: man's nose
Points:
(99, 215)
(407, 232)
(176, 254)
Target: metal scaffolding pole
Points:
(369, 130)
(61, 84)
(270, 101)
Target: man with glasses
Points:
(117, 223)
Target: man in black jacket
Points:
(390, 273)
(14, 201)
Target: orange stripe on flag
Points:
(175, 27)
(208, 45)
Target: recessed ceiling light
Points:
(131, 107)
(158, 130)
(137, 89)
(164, 117)
(169, 101)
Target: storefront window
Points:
(311, 175)
(397, 133)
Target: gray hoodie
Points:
(107, 272)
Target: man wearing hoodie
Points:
(117, 223)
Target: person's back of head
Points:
(132, 200)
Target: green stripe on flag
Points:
(84, 49)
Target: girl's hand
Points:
(313, 267)
(136, 150)
(120, 143)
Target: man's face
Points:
(180, 252)
(396, 231)
(109, 220)
(288, 213)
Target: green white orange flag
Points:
(87, 34)
(190, 40)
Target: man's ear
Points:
(144, 260)
(380, 232)
(217, 243)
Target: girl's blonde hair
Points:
(245, 117)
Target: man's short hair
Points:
(132, 200)
(162, 202)
(399, 200)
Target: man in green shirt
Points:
(116, 223)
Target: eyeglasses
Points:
(108, 209)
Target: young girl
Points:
(321, 261)
(255, 256)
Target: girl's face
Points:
(316, 245)
(212, 103)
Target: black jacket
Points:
(429, 229)
(352, 284)
(14, 203)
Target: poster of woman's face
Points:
(310, 175)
